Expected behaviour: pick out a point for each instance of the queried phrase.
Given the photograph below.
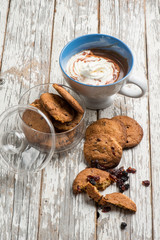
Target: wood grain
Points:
(64, 215)
(153, 61)
(26, 61)
(32, 35)
(4, 10)
(126, 20)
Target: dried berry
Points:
(112, 171)
(113, 178)
(124, 178)
(123, 225)
(126, 186)
(93, 179)
(131, 170)
(125, 173)
(120, 176)
(146, 183)
(122, 188)
(106, 209)
(98, 214)
(119, 183)
(92, 182)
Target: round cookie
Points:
(35, 120)
(102, 151)
(133, 129)
(68, 97)
(37, 129)
(37, 104)
(57, 107)
(114, 128)
(80, 182)
(68, 125)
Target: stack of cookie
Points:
(106, 139)
(63, 110)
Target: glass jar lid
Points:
(27, 139)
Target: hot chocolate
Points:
(97, 67)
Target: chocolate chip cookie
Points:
(35, 120)
(103, 151)
(69, 98)
(57, 107)
(93, 192)
(119, 200)
(68, 125)
(114, 128)
(133, 129)
(37, 104)
(101, 179)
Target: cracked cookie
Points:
(119, 200)
(93, 192)
(101, 179)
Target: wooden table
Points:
(32, 34)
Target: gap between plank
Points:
(99, 12)
(50, 58)
(149, 132)
(40, 203)
(98, 116)
(9, 3)
(42, 172)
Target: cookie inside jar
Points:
(63, 107)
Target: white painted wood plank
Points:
(63, 215)
(126, 20)
(26, 62)
(153, 57)
(4, 9)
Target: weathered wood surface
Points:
(153, 63)
(129, 26)
(32, 34)
(65, 216)
(26, 62)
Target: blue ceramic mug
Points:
(102, 96)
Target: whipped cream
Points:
(92, 69)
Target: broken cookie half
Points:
(116, 199)
(96, 177)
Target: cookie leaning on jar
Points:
(106, 139)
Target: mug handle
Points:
(134, 93)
